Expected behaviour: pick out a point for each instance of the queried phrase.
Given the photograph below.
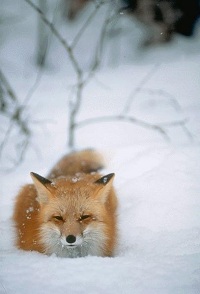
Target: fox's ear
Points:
(104, 185)
(43, 186)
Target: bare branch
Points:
(164, 94)
(75, 103)
(85, 25)
(39, 74)
(188, 133)
(99, 48)
(156, 127)
(136, 91)
(8, 87)
(174, 123)
(34, 87)
(6, 137)
(75, 106)
(73, 112)
(4, 289)
(15, 116)
(61, 39)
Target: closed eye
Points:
(58, 217)
(83, 217)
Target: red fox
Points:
(72, 212)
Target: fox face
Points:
(76, 214)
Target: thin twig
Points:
(6, 137)
(109, 17)
(164, 94)
(38, 78)
(61, 39)
(8, 87)
(99, 49)
(85, 25)
(73, 112)
(75, 105)
(34, 87)
(15, 117)
(188, 133)
(174, 123)
(141, 84)
(5, 291)
(120, 118)
(156, 127)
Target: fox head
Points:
(74, 213)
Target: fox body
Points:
(70, 214)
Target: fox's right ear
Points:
(43, 186)
(104, 186)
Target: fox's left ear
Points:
(43, 186)
(104, 185)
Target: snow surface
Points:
(157, 182)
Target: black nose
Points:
(71, 239)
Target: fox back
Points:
(71, 214)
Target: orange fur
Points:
(85, 161)
(72, 213)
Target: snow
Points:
(157, 181)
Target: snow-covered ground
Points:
(157, 181)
